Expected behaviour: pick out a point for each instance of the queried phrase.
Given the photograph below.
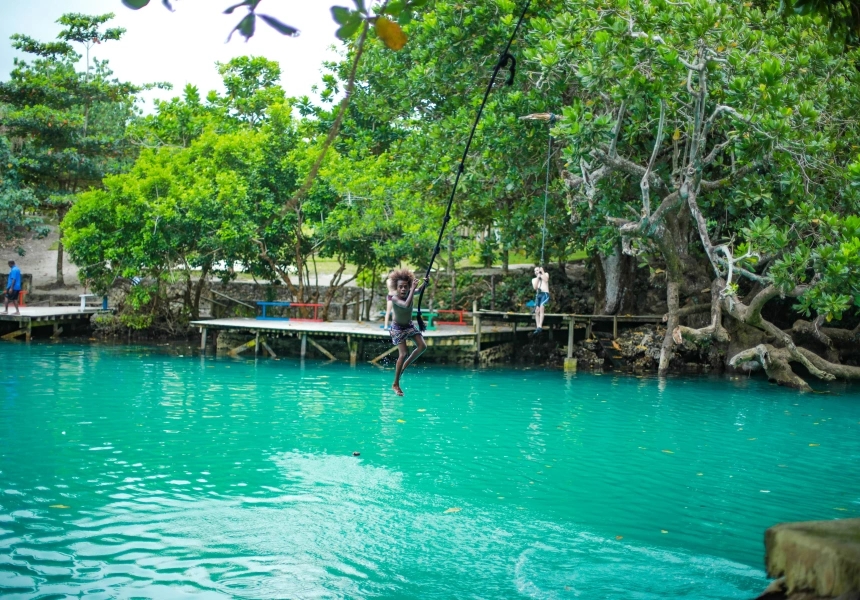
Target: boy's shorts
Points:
(400, 333)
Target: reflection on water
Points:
(128, 473)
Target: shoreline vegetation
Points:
(705, 162)
(636, 349)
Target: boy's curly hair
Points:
(402, 275)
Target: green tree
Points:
(69, 125)
(714, 124)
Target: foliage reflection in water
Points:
(126, 472)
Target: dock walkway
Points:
(489, 327)
(351, 331)
(42, 316)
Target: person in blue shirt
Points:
(13, 288)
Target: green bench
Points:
(428, 315)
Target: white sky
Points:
(182, 47)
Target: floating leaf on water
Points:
(642, 448)
(400, 421)
(751, 439)
(664, 531)
(699, 474)
(422, 410)
(765, 491)
(59, 506)
(619, 537)
(453, 510)
(813, 445)
(668, 452)
(840, 508)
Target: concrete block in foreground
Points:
(822, 557)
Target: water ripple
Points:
(236, 479)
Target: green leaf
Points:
(135, 4)
(280, 27)
(251, 4)
(359, 4)
(341, 14)
(395, 8)
(245, 27)
(348, 30)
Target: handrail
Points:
(233, 299)
(316, 306)
(459, 313)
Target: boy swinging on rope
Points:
(402, 328)
(541, 285)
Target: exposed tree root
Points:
(776, 364)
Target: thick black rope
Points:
(545, 198)
(506, 59)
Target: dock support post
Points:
(57, 331)
(257, 344)
(328, 354)
(353, 351)
(376, 360)
(268, 348)
(238, 349)
(203, 332)
(515, 332)
(477, 318)
(570, 338)
(588, 330)
(570, 365)
(614, 326)
(304, 349)
(29, 330)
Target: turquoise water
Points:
(129, 473)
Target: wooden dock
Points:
(488, 328)
(309, 332)
(42, 316)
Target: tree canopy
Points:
(68, 126)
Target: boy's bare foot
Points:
(397, 389)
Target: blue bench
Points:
(263, 305)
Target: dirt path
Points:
(40, 261)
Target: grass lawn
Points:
(326, 266)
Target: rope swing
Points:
(546, 187)
(545, 200)
(506, 59)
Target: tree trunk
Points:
(506, 261)
(198, 290)
(614, 278)
(671, 246)
(672, 288)
(61, 214)
(613, 287)
(61, 282)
